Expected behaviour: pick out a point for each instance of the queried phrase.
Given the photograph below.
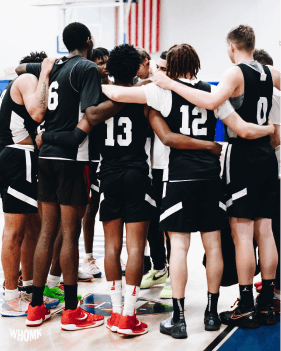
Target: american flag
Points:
(144, 25)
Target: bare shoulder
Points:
(233, 73)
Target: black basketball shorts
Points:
(250, 181)
(126, 195)
(18, 178)
(192, 206)
(62, 181)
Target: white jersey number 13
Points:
(127, 125)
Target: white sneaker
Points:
(83, 276)
(49, 301)
(15, 307)
(123, 266)
(90, 266)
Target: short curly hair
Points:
(263, 57)
(243, 36)
(34, 57)
(75, 36)
(123, 62)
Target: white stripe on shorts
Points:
(95, 188)
(228, 164)
(22, 197)
(28, 165)
(164, 190)
(170, 211)
(150, 200)
(239, 194)
(101, 197)
(222, 205)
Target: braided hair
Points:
(181, 61)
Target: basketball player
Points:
(23, 107)
(263, 57)
(250, 172)
(74, 87)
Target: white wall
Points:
(201, 23)
(204, 24)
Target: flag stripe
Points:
(137, 24)
(158, 26)
(150, 26)
(130, 27)
(143, 23)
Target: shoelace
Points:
(93, 263)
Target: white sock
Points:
(11, 294)
(115, 288)
(52, 281)
(131, 296)
(27, 282)
(88, 255)
(146, 250)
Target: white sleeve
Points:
(274, 114)
(223, 110)
(158, 98)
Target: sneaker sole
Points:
(113, 328)
(242, 325)
(97, 275)
(71, 327)
(212, 327)
(85, 280)
(130, 332)
(175, 336)
(13, 314)
(38, 322)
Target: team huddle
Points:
(145, 150)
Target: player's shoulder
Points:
(25, 80)
(85, 65)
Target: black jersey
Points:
(195, 122)
(122, 141)
(257, 103)
(75, 84)
(15, 122)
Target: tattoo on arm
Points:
(43, 100)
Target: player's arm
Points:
(93, 116)
(100, 113)
(247, 130)
(275, 77)
(33, 92)
(275, 137)
(124, 94)
(21, 69)
(179, 141)
(209, 101)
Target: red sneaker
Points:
(113, 321)
(80, 319)
(37, 315)
(258, 284)
(130, 325)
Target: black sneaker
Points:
(176, 330)
(265, 313)
(240, 317)
(212, 321)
